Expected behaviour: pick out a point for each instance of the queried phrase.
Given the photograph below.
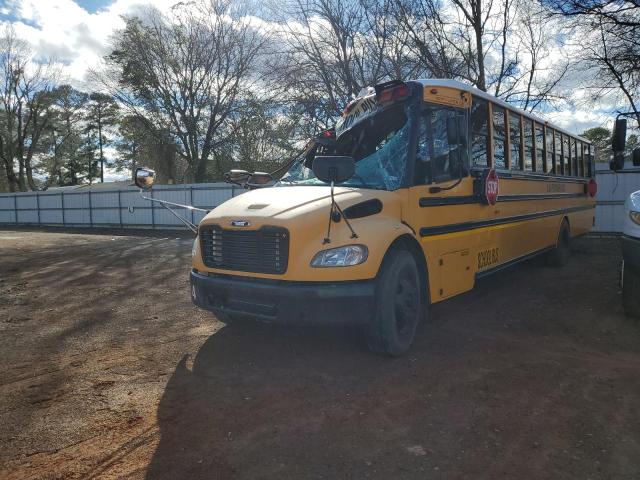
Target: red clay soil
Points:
(109, 372)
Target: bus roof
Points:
(437, 82)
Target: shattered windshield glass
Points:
(379, 144)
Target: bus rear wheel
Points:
(631, 292)
(559, 256)
(398, 305)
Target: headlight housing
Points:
(341, 256)
(635, 217)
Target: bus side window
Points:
(551, 159)
(566, 154)
(589, 153)
(479, 132)
(558, 154)
(528, 144)
(514, 140)
(539, 148)
(498, 137)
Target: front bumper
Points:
(631, 252)
(284, 302)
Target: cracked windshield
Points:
(378, 142)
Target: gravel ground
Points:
(108, 371)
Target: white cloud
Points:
(63, 30)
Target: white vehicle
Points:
(631, 256)
(631, 227)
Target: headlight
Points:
(341, 256)
(194, 249)
(635, 217)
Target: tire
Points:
(559, 256)
(399, 306)
(631, 292)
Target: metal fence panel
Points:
(111, 207)
(613, 190)
(51, 217)
(6, 203)
(7, 216)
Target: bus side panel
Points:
(581, 222)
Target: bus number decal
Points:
(555, 187)
(488, 257)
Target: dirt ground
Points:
(108, 371)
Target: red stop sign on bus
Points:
(491, 187)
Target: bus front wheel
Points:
(559, 256)
(631, 292)
(398, 305)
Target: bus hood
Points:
(268, 205)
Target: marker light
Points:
(340, 257)
(394, 94)
(635, 217)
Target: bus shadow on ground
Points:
(247, 385)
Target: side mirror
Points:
(635, 157)
(336, 169)
(619, 137)
(259, 179)
(144, 178)
(236, 176)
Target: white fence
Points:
(85, 207)
(100, 207)
(613, 190)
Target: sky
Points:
(76, 33)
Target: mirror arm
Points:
(186, 222)
(188, 207)
(191, 226)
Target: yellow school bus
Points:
(421, 188)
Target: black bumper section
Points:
(631, 252)
(285, 302)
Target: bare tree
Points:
(331, 49)
(25, 98)
(609, 34)
(186, 70)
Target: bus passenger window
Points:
(566, 155)
(588, 154)
(528, 144)
(514, 140)
(479, 132)
(574, 157)
(539, 148)
(498, 137)
(559, 156)
(551, 158)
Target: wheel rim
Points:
(405, 304)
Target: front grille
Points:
(262, 251)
